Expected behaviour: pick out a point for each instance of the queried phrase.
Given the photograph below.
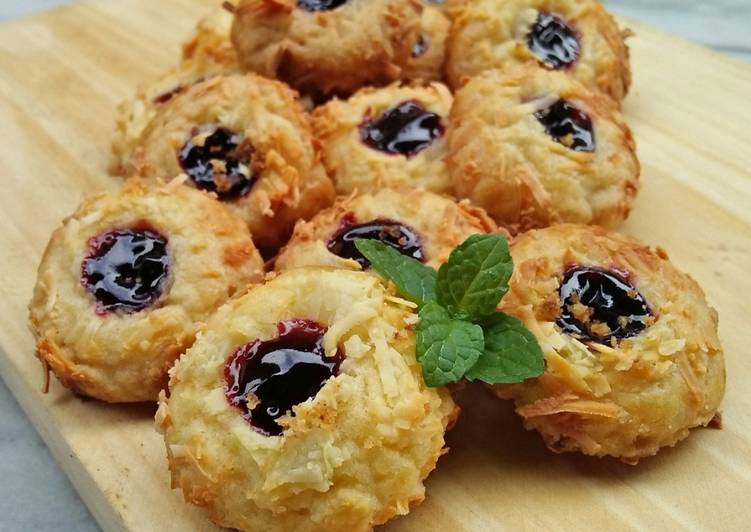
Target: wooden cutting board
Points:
(64, 71)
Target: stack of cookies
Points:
(223, 279)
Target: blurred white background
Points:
(36, 495)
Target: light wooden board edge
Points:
(87, 488)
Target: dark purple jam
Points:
(218, 160)
(279, 374)
(167, 96)
(568, 125)
(126, 270)
(320, 5)
(420, 47)
(553, 41)
(397, 235)
(406, 129)
(597, 305)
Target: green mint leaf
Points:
(412, 278)
(476, 276)
(446, 348)
(467, 288)
(511, 352)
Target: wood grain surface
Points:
(64, 71)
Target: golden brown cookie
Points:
(327, 46)
(208, 53)
(633, 360)
(247, 139)
(422, 225)
(536, 148)
(386, 137)
(302, 407)
(211, 41)
(126, 282)
(449, 7)
(576, 37)
(428, 53)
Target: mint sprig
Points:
(511, 355)
(476, 276)
(460, 334)
(412, 278)
(449, 347)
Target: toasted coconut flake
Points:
(691, 380)
(569, 404)
(401, 301)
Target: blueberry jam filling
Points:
(126, 270)
(218, 160)
(265, 379)
(420, 47)
(397, 235)
(167, 96)
(599, 305)
(320, 5)
(568, 125)
(406, 129)
(553, 41)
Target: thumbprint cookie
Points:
(419, 224)
(302, 407)
(207, 54)
(386, 137)
(576, 37)
(536, 148)
(633, 360)
(425, 61)
(126, 282)
(211, 41)
(247, 140)
(323, 47)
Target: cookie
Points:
(426, 60)
(449, 7)
(576, 37)
(302, 407)
(126, 282)
(211, 41)
(536, 148)
(208, 53)
(633, 360)
(421, 225)
(327, 47)
(246, 139)
(386, 137)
